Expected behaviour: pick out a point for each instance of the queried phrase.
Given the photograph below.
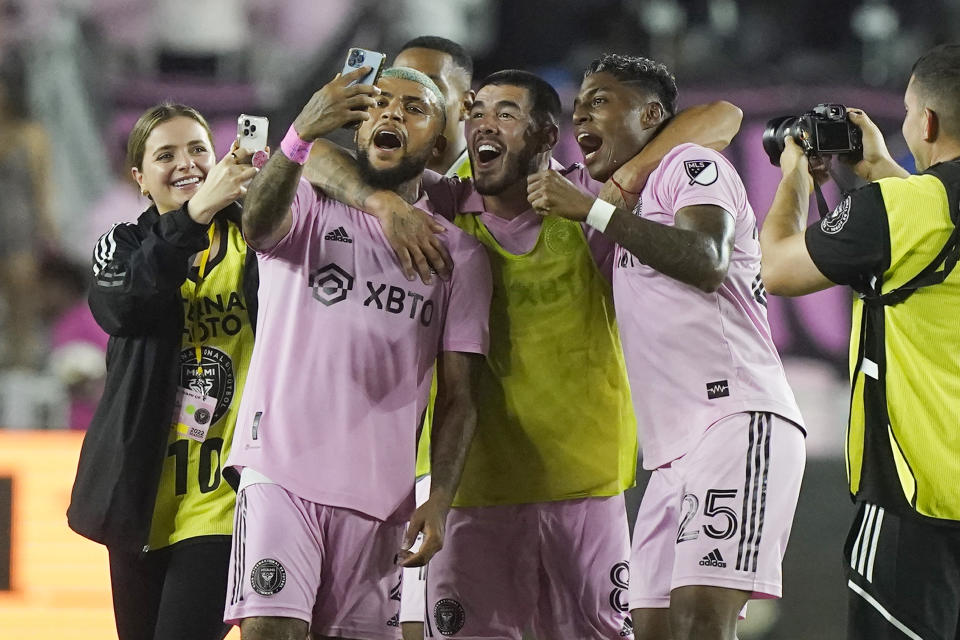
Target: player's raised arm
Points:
(266, 213)
(696, 250)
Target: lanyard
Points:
(194, 304)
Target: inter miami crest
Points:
(702, 172)
(449, 616)
(268, 577)
(214, 377)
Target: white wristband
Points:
(600, 214)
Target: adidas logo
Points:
(713, 559)
(394, 621)
(339, 235)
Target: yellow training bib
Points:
(555, 417)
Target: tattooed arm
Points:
(266, 212)
(696, 250)
(411, 232)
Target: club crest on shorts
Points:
(702, 172)
(268, 577)
(449, 616)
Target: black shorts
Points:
(175, 593)
(903, 578)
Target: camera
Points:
(824, 130)
(356, 58)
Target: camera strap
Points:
(822, 205)
(821, 201)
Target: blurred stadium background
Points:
(85, 70)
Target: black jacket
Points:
(135, 296)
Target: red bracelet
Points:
(623, 192)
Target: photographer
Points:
(894, 242)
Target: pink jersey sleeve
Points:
(307, 204)
(468, 313)
(695, 175)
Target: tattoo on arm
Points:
(335, 172)
(266, 210)
(696, 251)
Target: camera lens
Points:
(253, 128)
(246, 123)
(360, 56)
(246, 132)
(774, 133)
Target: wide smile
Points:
(189, 182)
(487, 153)
(590, 144)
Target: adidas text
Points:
(713, 559)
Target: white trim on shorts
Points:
(880, 609)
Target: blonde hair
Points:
(137, 142)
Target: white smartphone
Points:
(252, 132)
(357, 58)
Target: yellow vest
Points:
(555, 417)
(903, 440)
(193, 499)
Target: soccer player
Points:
(551, 459)
(719, 424)
(340, 375)
(894, 242)
(451, 69)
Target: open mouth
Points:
(589, 144)
(186, 182)
(487, 153)
(387, 139)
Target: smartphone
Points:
(357, 58)
(252, 132)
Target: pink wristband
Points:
(295, 148)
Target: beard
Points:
(516, 167)
(409, 167)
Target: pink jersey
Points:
(694, 357)
(341, 370)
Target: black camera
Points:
(824, 130)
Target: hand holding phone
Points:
(252, 135)
(357, 58)
(340, 102)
